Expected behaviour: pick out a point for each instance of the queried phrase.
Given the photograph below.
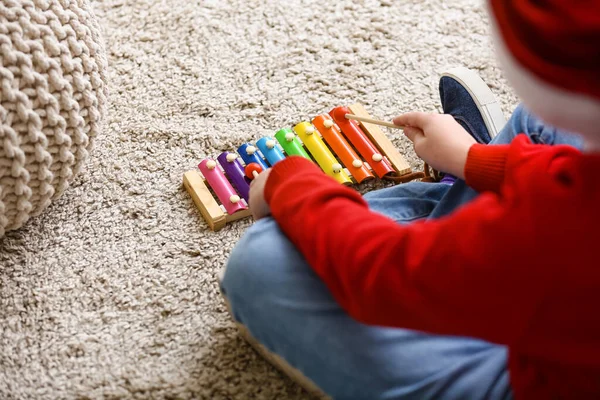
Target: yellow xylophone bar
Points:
(321, 153)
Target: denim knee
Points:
(259, 263)
(523, 121)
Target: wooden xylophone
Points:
(348, 150)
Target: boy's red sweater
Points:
(518, 266)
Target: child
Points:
(487, 288)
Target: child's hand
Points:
(438, 140)
(258, 205)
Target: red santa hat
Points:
(550, 52)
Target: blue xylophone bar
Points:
(270, 149)
(250, 155)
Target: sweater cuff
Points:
(285, 170)
(485, 167)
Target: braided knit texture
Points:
(52, 101)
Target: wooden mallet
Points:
(373, 121)
(252, 170)
(382, 123)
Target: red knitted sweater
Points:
(517, 266)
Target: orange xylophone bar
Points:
(340, 146)
(368, 150)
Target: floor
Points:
(112, 292)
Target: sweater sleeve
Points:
(485, 166)
(449, 276)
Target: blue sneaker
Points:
(466, 97)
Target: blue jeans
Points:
(287, 308)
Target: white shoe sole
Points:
(281, 364)
(485, 100)
(277, 361)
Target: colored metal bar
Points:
(382, 142)
(235, 172)
(221, 186)
(321, 153)
(250, 154)
(340, 146)
(290, 143)
(270, 150)
(377, 161)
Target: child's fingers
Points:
(260, 176)
(416, 119)
(412, 134)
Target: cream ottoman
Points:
(52, 101)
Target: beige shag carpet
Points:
(112, 292)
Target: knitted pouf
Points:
(52, 101)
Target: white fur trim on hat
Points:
(558, 107)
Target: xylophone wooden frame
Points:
(217, 218)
